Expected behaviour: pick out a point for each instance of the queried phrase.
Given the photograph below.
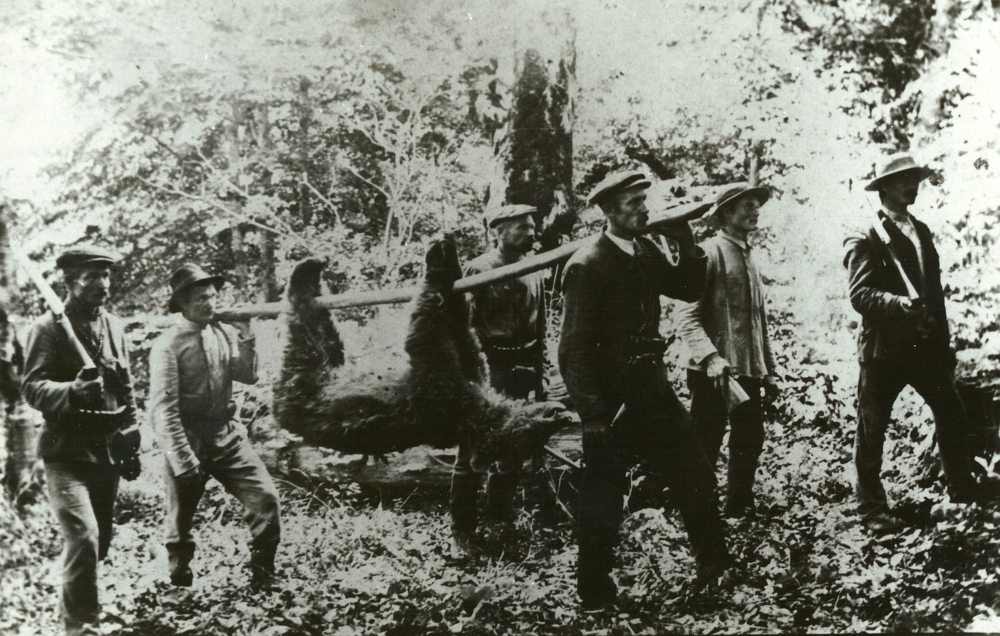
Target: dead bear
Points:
(443, 397)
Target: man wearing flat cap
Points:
(726, 335)
(192, 367)
(611, 358)
(895, 284)
(75, 440)
(509, 319)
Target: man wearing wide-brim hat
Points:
(611, 358)
(726, 335)
(509, 319)
(895, 284)
(192, 367)
(75, 439)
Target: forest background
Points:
(247, 135)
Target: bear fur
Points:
(442, 398)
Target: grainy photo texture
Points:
(343, 317)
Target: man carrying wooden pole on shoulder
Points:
(191, 372)
(509, 319)
(611, 357)
(726, 334)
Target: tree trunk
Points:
(240, 268)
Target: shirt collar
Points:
(622, 244)
(188, 325)
(735, 241)
(898, 219)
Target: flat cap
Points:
(895, 164)
(739, 191)
(507, 212)
(84, 255)
(618, 181)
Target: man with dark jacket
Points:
(74, 444)
(509, 319)
(895, 284)
(610, 355)
(191, 372)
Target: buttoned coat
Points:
(610, 298)
(51, 363)
(877, 292)
(722, 320)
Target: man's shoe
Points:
(882, 523)
(182, 576)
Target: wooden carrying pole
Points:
(681, 212)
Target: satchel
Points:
(123, 448)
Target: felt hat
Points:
(895, 164)
(740, 191)
(85, 255)
(687, 211)
(506, 212)
(186, 276)
(616, 182)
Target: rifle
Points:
(123, 447)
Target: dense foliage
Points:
(248, 135)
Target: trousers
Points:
(746, 435)
(658, 432)
(82, 496)
(879, 384)
(502, 477)
(238, 468)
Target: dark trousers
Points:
(240, 471)
(878, 386)
(82, 496)
(746, 435)
(659, 433)
(502, 477)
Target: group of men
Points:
(610, 356)
(192, 368)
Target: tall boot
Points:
(739, 498)
(500, 490)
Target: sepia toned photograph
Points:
(499, 317)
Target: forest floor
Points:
(352, 564)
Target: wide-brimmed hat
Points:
(85, 255)
(616, 182)
(680, 212)
(495, 216)
(186, 276)
(896, 164)
(740, 191)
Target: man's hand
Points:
(680, 232)
(87, 391)
(717, 370)
(770, 389)
(193, 478)
(244, 327)
(911, 307)
(596, 433)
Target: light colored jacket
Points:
(191, 373)
(729, 318)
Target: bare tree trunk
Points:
(269, 291)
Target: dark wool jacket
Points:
(877, 291)
(609, 298)
(50, 366)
